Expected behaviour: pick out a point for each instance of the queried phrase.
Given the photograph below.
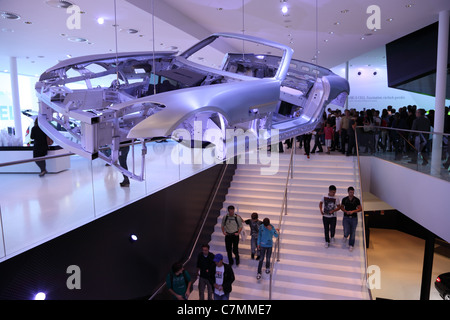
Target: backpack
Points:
(184, 276)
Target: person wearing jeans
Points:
(265, 243)
(351, 205)
(328, 206)
(221, 278)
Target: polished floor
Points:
(36, 209)
(399, 257)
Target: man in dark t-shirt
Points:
(350, 206)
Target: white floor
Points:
(36, 209)
(399, 257)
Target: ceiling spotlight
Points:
(77, 39)
(40, 296)
(133, 238)
(100, 20)
(284, 9)
(409, 5)
(389, 19)
(9, 15)
(59, 4)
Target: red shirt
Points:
(328, 133)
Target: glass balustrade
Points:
(422, 151)
(76, 190)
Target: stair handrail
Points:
(276, 253)
(211, 202)
(364, 281)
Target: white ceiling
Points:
(180, 23)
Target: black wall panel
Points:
(111, 266)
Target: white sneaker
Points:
(326, 245)
(350, 248)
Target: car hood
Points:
(232, 100)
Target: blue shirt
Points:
(265, 236)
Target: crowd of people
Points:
(214, 275)
(376, 133)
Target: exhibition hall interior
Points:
(132, 130)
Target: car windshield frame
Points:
(284, 62)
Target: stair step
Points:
(306, 269)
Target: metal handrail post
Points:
(365, 279)
(276, 253)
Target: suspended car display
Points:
(121, 97)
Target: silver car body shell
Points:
(241, 101)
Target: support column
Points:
(427, 267)
(346, 78)
(15, 98)
(441, 87)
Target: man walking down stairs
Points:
(305, 270)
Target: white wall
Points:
(423, 198)
(371, 91)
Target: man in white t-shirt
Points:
(328, 206)
(221, 277)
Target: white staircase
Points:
(306, 270)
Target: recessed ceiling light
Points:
(27, 22)
(362, 38)
(77, 39)
(9, 15)
(326, 40)
(337, 23)
(284, 9)
(331, 32)
(389, 19)
(100, 20)
(409, 5)
(345, 11)
(61, 4)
